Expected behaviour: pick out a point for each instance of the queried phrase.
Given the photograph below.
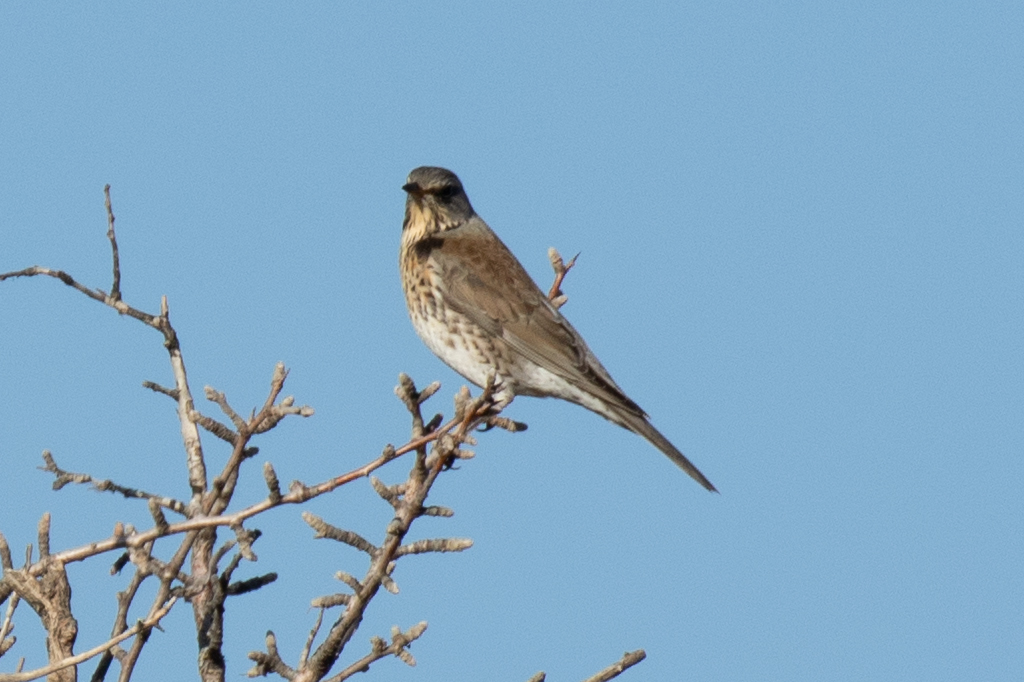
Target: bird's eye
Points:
(446, 193)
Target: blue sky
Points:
(802, 254)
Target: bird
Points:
(475, 307)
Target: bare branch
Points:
(349, 580)
(8, 625)
(330, 600)
(115, 287)
(157, 388)
(250, 585)
(628, 660)
(406, 391)
(304, 656)
(124, 601)
(43, 536)
(398, 647)
(245, 539)
(505, 423)
(270, 662)
(561, 268)
(297, 495)
(215, 427)
(159, 520)
(215, 396)
(273, 485)
(350, 538)
(5, 554)
(62, 478)
(438, 545)
(205, 513)
(408, 507)
(389, 493)
(141, 626)
(435, 510)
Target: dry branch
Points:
(435, 445)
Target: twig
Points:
(409, 507)
(304, 656)
(157, 388)
(399, 642)
(204, 512)
(64, 477)
(561, 268)
(297, 495)
(628, 660)
(115, 287)
(124, 601)
(162, 323)
(96, 295)
(271, 661)
(162, 600)
(141, 626)
(8, 625)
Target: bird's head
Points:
(436, 201)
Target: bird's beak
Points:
(413, 189)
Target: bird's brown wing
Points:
(485, 282)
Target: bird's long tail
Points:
(640, 426)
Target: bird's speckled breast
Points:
(449, 334)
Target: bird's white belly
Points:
(474, 354)
(457, 342)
